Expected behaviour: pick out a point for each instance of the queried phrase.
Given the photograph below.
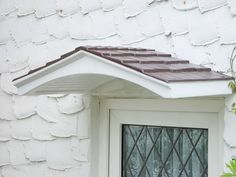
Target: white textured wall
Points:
(33, 32)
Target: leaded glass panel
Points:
(152, 151)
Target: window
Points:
(161, 138)
(152, 151)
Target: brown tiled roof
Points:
(149, 62)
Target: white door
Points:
(186, 144)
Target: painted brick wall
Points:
(33, 32)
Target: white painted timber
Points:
(184, 4)
(35, 151)
(66, 8)
(89, 5)
(41, 129)
(62, 158)
(24, 106)
(24, 7)
(21, 129)
(131, 10)
(44, 8)
(198, 34)
(17, 153)
(4, 155)
(210, 4)
(5, 133)
(148, 26)
(70, 104)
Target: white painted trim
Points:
(82, 63)
(204, 107)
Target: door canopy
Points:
(86, 68)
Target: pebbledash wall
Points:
(33, 32)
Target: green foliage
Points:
(232, 169)
(232, 85)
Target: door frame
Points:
(200, 105)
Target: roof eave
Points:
(84, 63)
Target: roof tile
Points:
(165, 67)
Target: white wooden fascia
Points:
(83, 63)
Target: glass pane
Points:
(152, 151)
